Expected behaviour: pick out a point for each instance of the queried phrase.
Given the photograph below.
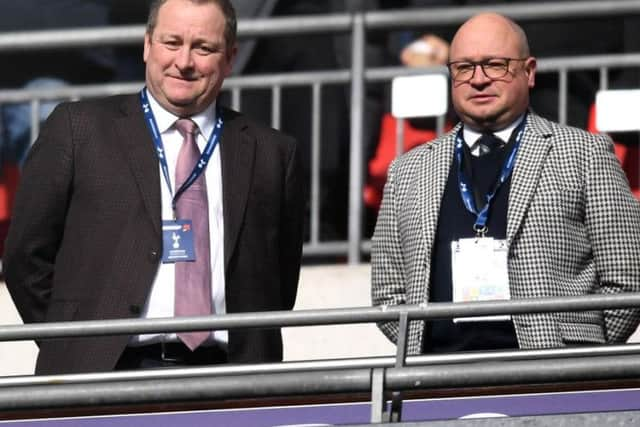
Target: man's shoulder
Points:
(440, 146)
(560, 132)
(101, 106)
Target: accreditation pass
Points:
(479, 273)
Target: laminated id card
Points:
(177, 241)
(479, 273)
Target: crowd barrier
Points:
(383, 379)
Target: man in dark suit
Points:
(98, 196)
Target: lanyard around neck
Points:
(199, 167)
(464, 184)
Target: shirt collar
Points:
(471, 136)
(165, 119)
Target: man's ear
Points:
(147, 47)
(530, 70)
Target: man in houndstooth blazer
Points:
(572, 225)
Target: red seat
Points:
(8, 185)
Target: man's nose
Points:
(184, 58)
(479, 77)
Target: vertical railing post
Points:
(563, 94)
(604, 78)
(35, 120)
(276, 103)
(399, 136)
(236, 102)
(316, 117)
(356, 137)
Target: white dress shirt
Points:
(160, 302)
(471, 136)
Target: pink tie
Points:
(193, 279)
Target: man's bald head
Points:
(494, 101)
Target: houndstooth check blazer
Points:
(573, 228)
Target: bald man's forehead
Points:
(483, 41)
(489, 35)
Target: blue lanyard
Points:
(466, 191)
(199, 168)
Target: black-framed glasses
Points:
(493, 68)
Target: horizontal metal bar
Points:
(381, 74)
(295, 25)
(316, 317)
(211, 387)
(514, 372)
(328, 23)
(316, 365)
(588, 62)
(408, 18)
(71, 38)
(174, 390)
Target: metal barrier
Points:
(357, 25)
(376, 376)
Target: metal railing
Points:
(376, 376)
(357, 25)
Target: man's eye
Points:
(465, 68)
(171, 44)
(498, 65)
(205, 50)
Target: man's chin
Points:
(486, 119)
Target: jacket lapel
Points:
(139, 151)
(237, 151)
(437, 163)
(530, 159)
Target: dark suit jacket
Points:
(85, 239)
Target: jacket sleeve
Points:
(38, 219)
(291, 228)
(612, 217)
(387, 266)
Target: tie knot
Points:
(488, 142)
(186, 127)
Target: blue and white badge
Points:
(177, 240)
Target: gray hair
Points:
(231, 23)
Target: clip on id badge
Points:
(479, 273)
(177, 239)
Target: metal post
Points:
(316, 116)
(356, 148)
(604, 78)
(377, 395)
(563, 89)
(395, 409)
(35, 120)
(399, 136)
(440, 122)
(235, 99)
(276, 96)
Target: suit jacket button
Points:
(153, 256)
(135, 309)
